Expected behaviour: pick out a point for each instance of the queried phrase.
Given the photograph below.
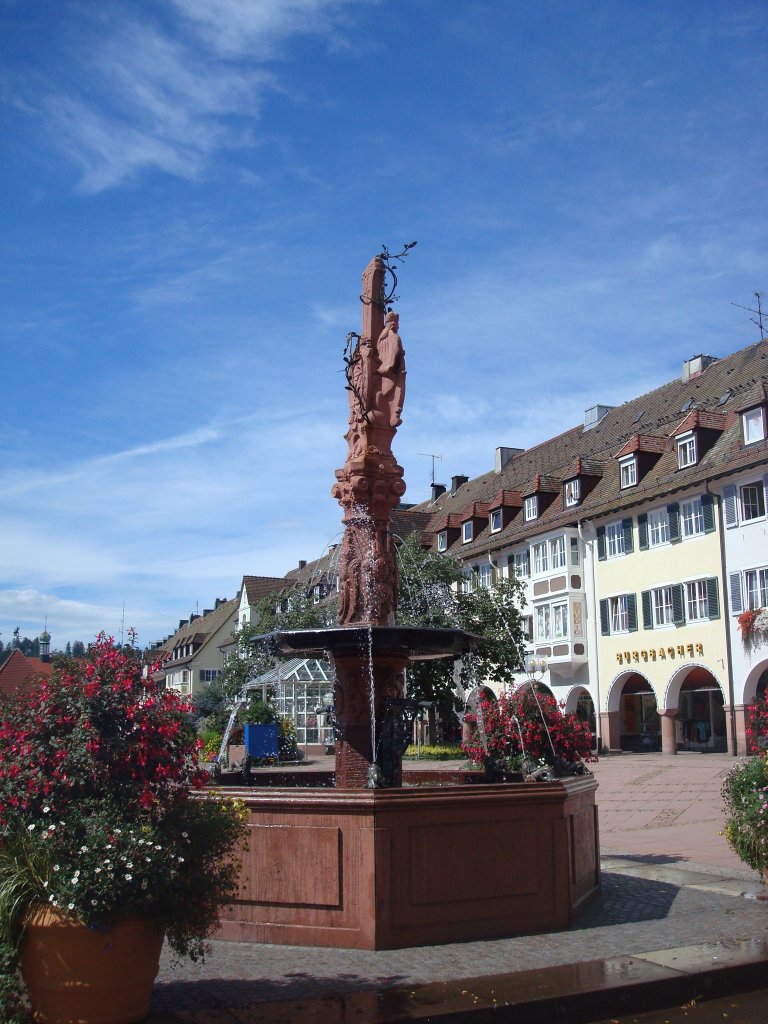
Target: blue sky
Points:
(191, 189)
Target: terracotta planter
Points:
(79, 975)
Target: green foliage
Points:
(439, 752)
(745, 795)
(428, 597)
(259, 712)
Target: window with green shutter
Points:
(708, 511)
(642, 531)
(673, 512)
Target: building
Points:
(624, 531)
(194, 655)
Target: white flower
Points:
(109, 846)
(46, 810)
(70, 906)
(83, 849)
(180, 860)
(94, 903)
(144, 883)
(56, 867)
(45, 885)
(128, 877)
(185, 835)
(30, 827)
(129, 864)
(51, 898)
(97, 871)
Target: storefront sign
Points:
(660, 653)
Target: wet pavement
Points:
(680, 922)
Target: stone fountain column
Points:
(369, 486)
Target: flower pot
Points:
(80, 975)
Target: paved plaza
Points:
(674, 900)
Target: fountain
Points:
(372, 864)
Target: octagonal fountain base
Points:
(386, 869)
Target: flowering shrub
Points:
(97, 765)
(757, 725)
(753, 625)
(528, 725)
(745, 793)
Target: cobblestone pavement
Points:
(655, 896)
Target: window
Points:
(696, 600)
(466, 532)
(756, 586)
(442, 540)
(692, 518)
(185, 675)
(485, 575)
(575, 551)
(467, 585)
(522, 563)
(207, 675)
(572, 491)
(629, 472)
(530, 508)
(752, 502)
(753, 424)
(540, 557)
(552, 621)
(617, 609)
(557, 552)
(658, 527)
(662, 607)
(686, 450)
(614, 538)
(496, 520)
(618, 614)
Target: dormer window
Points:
(572, 493)
(466, 532)
(495, 520)
(686, 450)
(442, 540)
(531, 508)
(628, 469)
(753, 425)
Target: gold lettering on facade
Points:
(671, 652)
(689, 649)
(699, 649)
(680, 650)
(635, 656)
(625, 657)
(644, 655)
(662, 654)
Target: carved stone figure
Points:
(391, 391)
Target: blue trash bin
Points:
(261, 740)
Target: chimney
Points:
(437, 490)
(695, 366)
(595, 414)
(302, 563)
(456, 482)
(182, 623)
(503, 455)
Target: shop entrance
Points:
(639, 723)
(701, 723)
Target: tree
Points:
(78, 649)
(431, 593)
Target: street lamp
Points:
(535, 668)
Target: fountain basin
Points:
(392, 868)
(417, 643)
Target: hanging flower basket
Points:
(754, 628)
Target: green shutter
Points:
(713, 598)
(632, 612)
(730, 513)
(673, 512)
(601, 543)
(605, 621)
(708, 511)
(734, 585)
(642, 531)
(645, 598)
(629, 545)
(678, 605)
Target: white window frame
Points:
(658, 528)
(572, 493)
(686, 450)
(442, 540)
(691, 518)
(467, 584)
(618, 614)
(466, 532)
(753, 425)
(531, 508)
(756, 588)
(495, 520)
(575, 551)
(485, 575)
(557, 555)
(614, 539)
(628, 472)
(523, 564)
(696, 600)
(540, 552)
(663, 613)
(551, 621)
(759, 503)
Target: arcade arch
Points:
(697, 696)
(632, 721)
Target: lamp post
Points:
(535, 668)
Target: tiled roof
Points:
(646, 423)
(18, 672)
(257, 587)
(202, 627)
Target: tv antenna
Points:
(759, 322)
(431, 455)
